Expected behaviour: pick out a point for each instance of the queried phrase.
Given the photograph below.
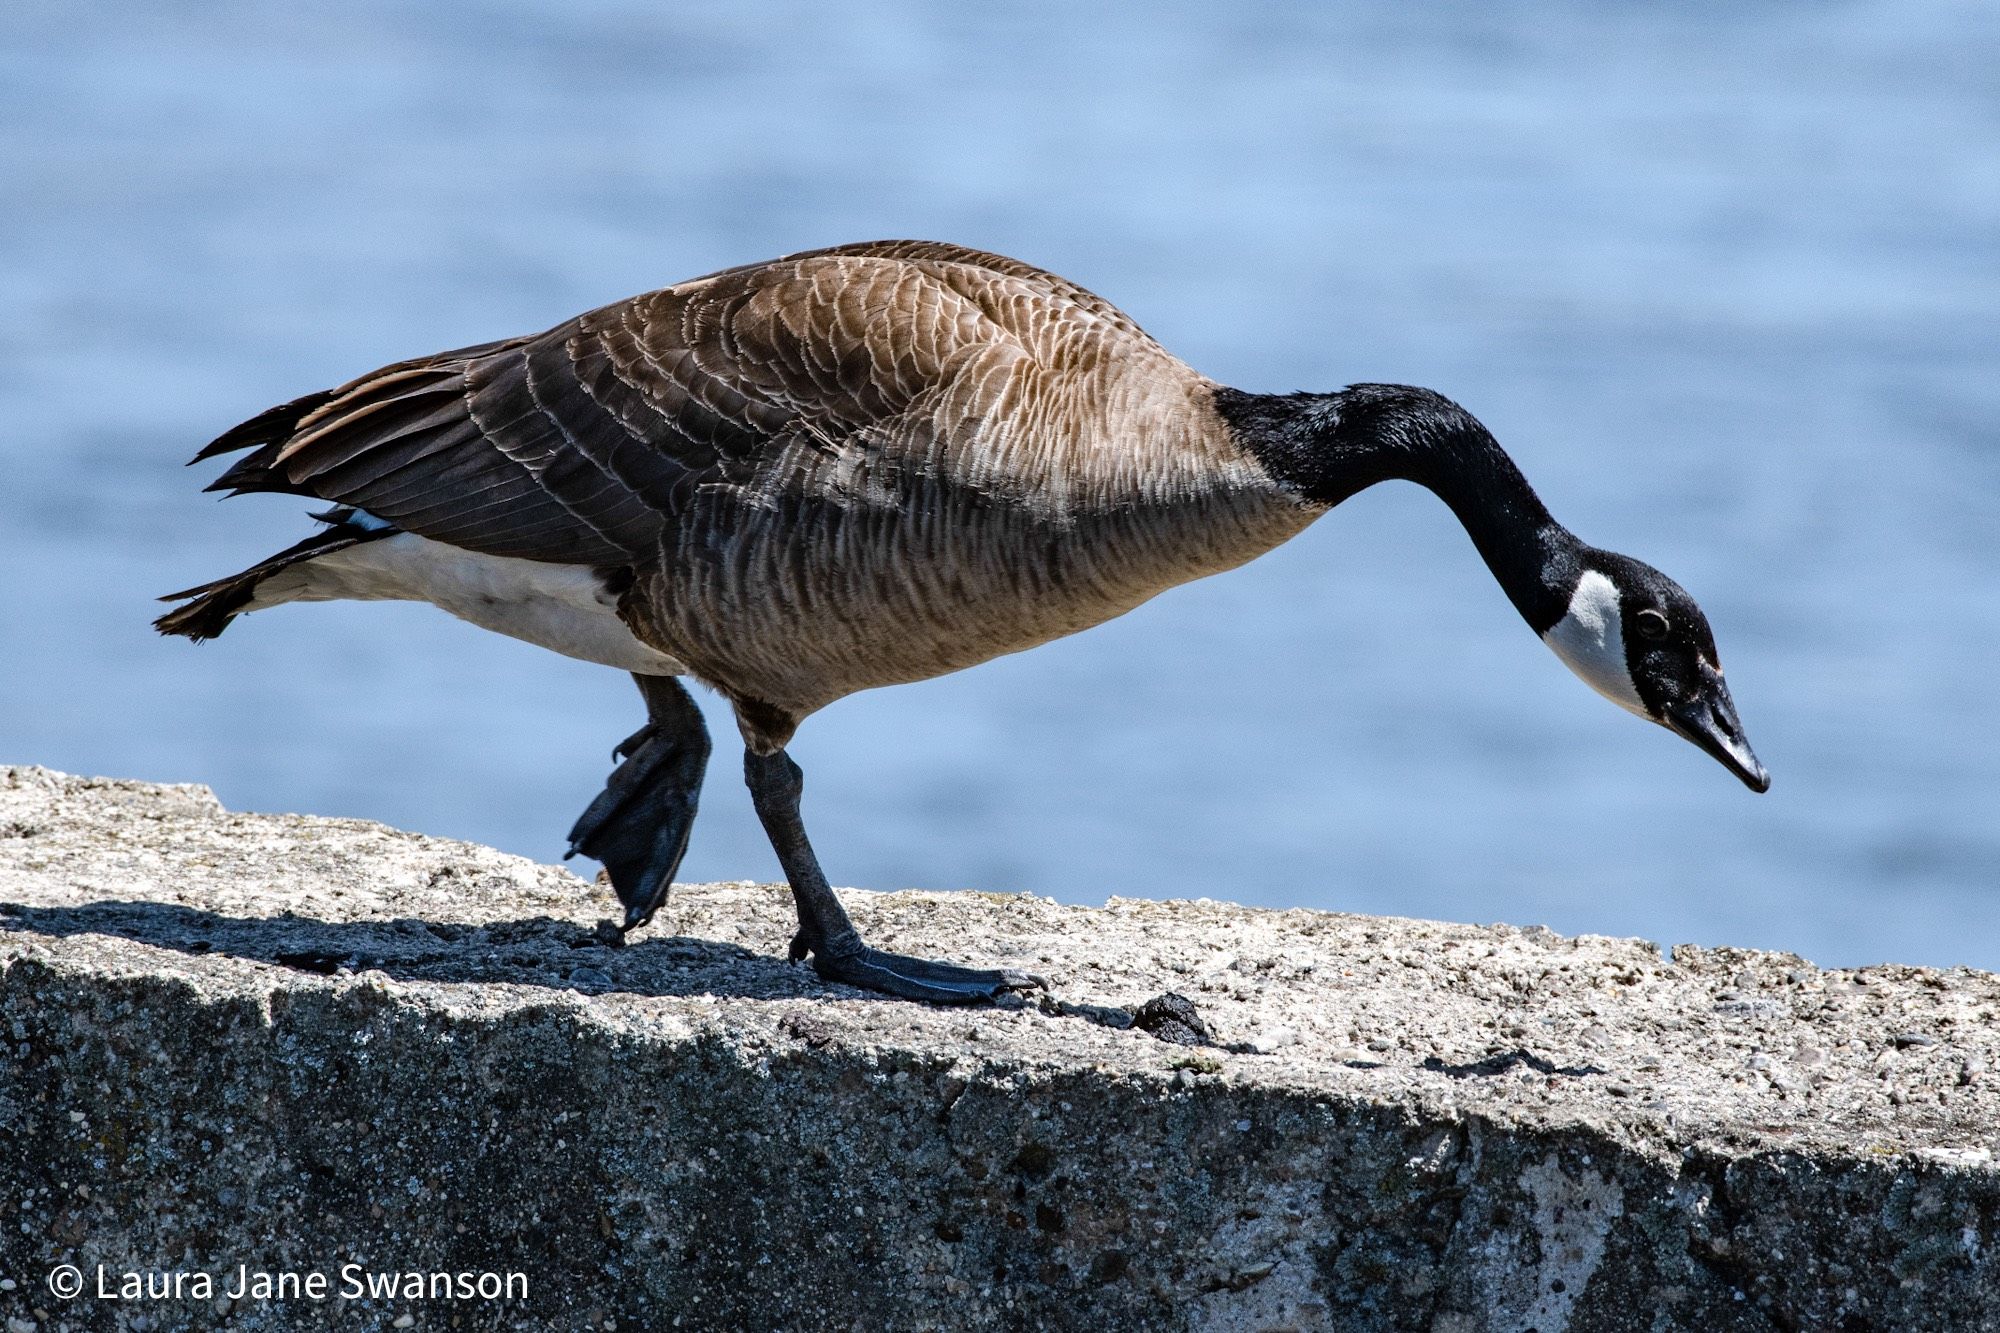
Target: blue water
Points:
(1723, 277)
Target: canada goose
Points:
(866, 465)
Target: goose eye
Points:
(1652, 624)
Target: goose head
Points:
(1636, 637)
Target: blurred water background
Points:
(1724, 278)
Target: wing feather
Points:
(588, 442)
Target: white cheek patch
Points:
(1590, 640)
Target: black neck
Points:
(1326, 447)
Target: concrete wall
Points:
(321, 1048)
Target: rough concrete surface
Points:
(324, 1047)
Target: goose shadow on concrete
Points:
(531, 951)
(539, 951)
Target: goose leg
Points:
(638, 825)
(824, 930)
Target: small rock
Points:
(404, 1320)
(1789, 1083)
(1172, 1017)
(1905, 1040)
(1273, 1039)
(1753, 1008)
(593, 977)
(809, 1028)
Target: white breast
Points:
(565, 608)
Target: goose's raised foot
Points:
(638, 826)
(920, 978)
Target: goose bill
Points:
(1709, 720)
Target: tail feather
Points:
(265, 433)
(210, 607)
(406, 389)
(274, 423)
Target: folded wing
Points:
(585, 443)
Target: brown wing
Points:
(584, 443)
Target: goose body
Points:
(845, 469)
(857, 467)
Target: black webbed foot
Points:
(826, 935)
(920, 978)
(639, 824)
